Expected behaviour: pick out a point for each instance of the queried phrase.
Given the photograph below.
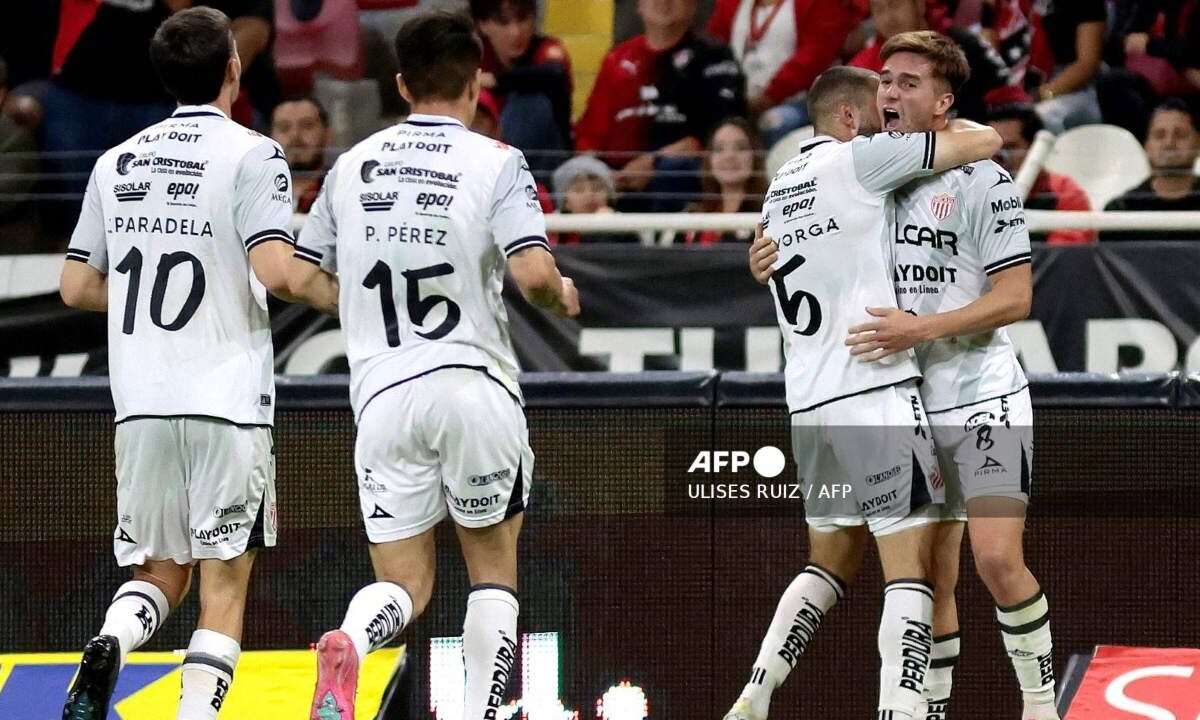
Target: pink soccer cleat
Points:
(337, 678)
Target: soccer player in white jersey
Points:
(853, 424)
(408, 243)
(183, 231)
(962, 274)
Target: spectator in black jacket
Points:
(1172, 145)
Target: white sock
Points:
(137, 611)
(800, 611)
(905, 647)
(489, 646)
(377, 614)
(1025, 628)
(940, 678)
(207, 674)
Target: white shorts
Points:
(869, 459)
(192, 488)
(985, 450)
(453, 441)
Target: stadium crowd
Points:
(680, 118)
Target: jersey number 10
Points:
(418, 307)
(131, 265)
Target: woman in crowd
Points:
(732, 178)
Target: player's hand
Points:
(487, 80)
(570, 299)
(893, 331)
(763, 254)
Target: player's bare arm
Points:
(895, 330)
(964, 142)
(270, 261)
(83, 287)
(310, 284)
(764, 251)
(540, 282)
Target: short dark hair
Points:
(1031, 122)
(949, 61)
(439, 54)
(190, 51)
(488, 9)
(1171, 105)
(838, 84)
(322, 113)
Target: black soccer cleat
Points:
(94, 682)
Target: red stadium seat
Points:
(330, 43)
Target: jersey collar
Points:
(421, 120)
(187, 111)
(814, 142)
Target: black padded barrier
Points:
(672, 600)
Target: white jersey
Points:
(826, 210)
(417, 222)
(175, 210)
(951, 232)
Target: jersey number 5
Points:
(131, 265)
(790, 303)
(418, 307)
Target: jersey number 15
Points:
(418, 307)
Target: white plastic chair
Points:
(786, 149)
(1105, 160)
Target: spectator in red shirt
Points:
(989, 75)
(782, 46)
(1018, 125)
(530, 77)
(656, 96)
(301, 127)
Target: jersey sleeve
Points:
(88, 244)
(886, 161)
(999, 223)
(516, 217)
(262, 209)
(317, 240)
